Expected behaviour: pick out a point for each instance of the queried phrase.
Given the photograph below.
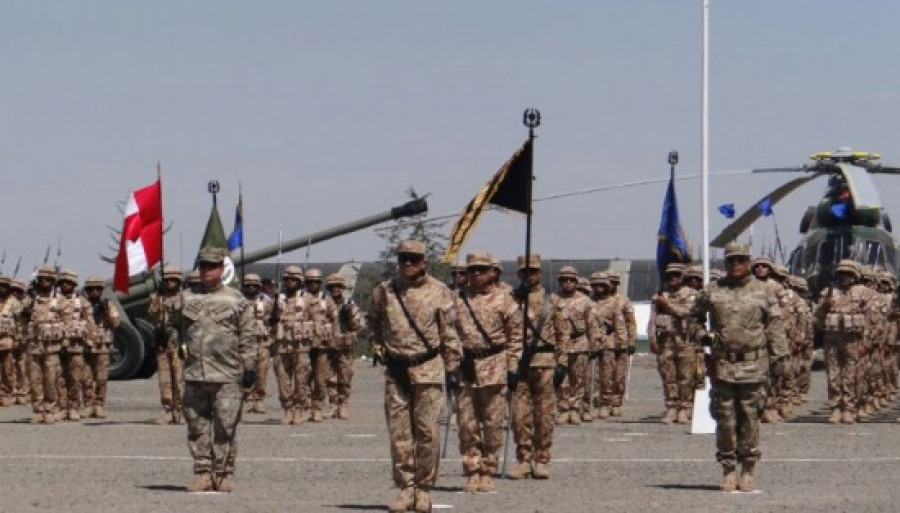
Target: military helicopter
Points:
(849, 221)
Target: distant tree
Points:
(418, 228)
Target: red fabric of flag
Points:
(140, 244)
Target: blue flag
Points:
(671, 244)
(727, 210)
(236, 239)
(765, 206)
(839, 210)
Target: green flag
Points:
(214, 236)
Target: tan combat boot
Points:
(729, 479)
(404, 501)
(835, 417)
(99, 412)
(797, 400)
(574, 417)
(587, 417)
(770, 416)
(473, 483)
(423, 501)
(786, 410)
(541, 471)
(6, 401)
(487, 483)
(683, 417)
(201, 483)
(223, 484)
(615, 411)
(603, 412)
(49, 417)
(261, 406)
(848, 417)
(670, 417)
(746, 484)
(21, 400)
(73, 415)
(176, 417)
(165, 418)
(342, 412)
(562, 418)
(287, 417)
(38, 418)
(316, 415)
(297, 417)
(520, 471)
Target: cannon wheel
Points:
(127, 352)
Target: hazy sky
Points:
(327, 111)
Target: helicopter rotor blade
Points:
(732, 231)
(862, 188)
(781, 170)
(884, 170)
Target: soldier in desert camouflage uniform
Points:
(323, 317)
(871, 371)
(490, 328)
(262, 314)
(497, 270)
(192, 282)
(163, 306)
(610, 344)
(20, 350)
(533, 396)
(106, 318)
(745, 335)
(459, 277)
(623, 361)
(78, 330)
(575, 353)
(841, 313)
(412, 321)
(763, 269)
(290, 349)
(341, 351)
(10, 313)
(45, 341)
(676, 351)
(886, 289)
(790, 304)
(802, 344)
(220, 366)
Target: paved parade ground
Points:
(126, 463)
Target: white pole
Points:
(704, 142)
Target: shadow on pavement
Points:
(447, 488)
(699, 487)
(163, 488)
(362, 507)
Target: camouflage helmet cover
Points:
(252, 279)
(94, 281)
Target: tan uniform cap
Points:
(534, 262)
(762, 260)
(292, 271)
(414, 247)
(613, 276)
(313, 274)
(599, 278)
(69, 276)
(567, 271)
(849, 266)
(335, 279)
(4, 280)
(45, 271)
(94, 281)
(172, 273)
(193, 277)
(252, 279)
(479, 259)
(737, 249)
(19, 284)
(674, 268)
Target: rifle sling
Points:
(484, 335)
(409, 319)
(542, 318)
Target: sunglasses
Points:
(410, 258)
(737, 259)
(479, 269)
(567, 280)
(208, 265)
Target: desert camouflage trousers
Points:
(292, 371)
(413, 426)
(22, 364)
(212, 411)
(871, 374)
(7, 375)
(569, 396)
(70, 383)
(841, 368)
(258, 390)
(340, 377)
(613, 376)
(321, 368)
(44, 373)
(676, 368)
(804, 370)
(533, 415)
(736, 409)
(480, 414)
(96, 376)
(171, 386)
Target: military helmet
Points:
(614, 276)
(534, 262)
(414, 247)
(69, 276)
(763, 260)
(567, 271)
(94, 281)
(867, 272)
(849, 266)
(599, 278)
(18, 285)
(781, 271)
(799, 282)
(4, 280)
(458, 267)
(694, 271)
(479, 259)
(674, 268)
(193, 277)
(886, 277)
(736, 249)
(170, 272)
(335, 280)
(584, 284)
(45, 271)
(252, 279)
(292, 271)
(314, 274)
(495, 263)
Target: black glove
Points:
(87, 351)
(512, 379)
(559, 374)
(631, 350)
(706, 340)
(776, 368)
(595, 355)
(609, 328)
(453, 381)
(248, 379)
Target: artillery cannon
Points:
(134, 346)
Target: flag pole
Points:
(162, 223)
(241, 214)
(704, 141)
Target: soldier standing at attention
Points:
(623, 362)
(610, 346)
(43, 349)
(10, 312)
(20, 351)
(163, 306)
(745, 335)
(533, 397)
(106, 318)
(340, 354)
(412, 320)
(841, 314)
(575, 353)
(490, 328)
(262, 313)
(497, 271)
(675, 351)
(220, 362)
(322, 314)
(459, 276)
(290, 351)
(77, 328)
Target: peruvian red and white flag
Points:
(140, 244)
